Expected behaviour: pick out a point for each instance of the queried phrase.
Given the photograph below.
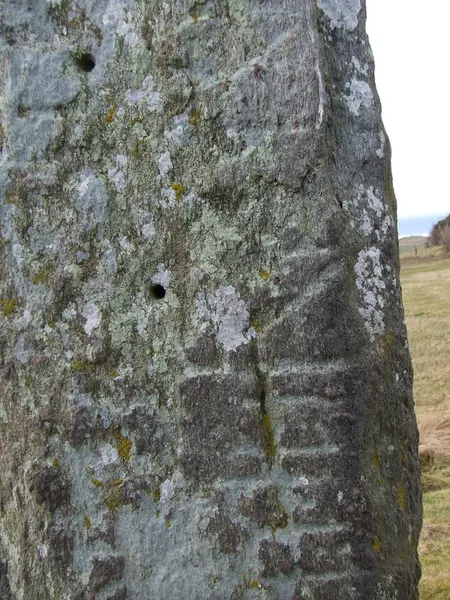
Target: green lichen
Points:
(113, 499)
(43, 275)
(376, 544)
(97, 483)
(82, 366)
(123, 445)
(7, 306)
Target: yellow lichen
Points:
(86, 521)
(256, 326)
(375, 461)
(157, 495)
(178, 189)
(7, 305)
(194, 115)
(123, 445)
(401, 496)
(195, 18)
(265, 275)
(376, 544)
(111, 114)
(97, 483)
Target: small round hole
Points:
(85, 62)
(158, 291)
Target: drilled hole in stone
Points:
(85, 62)
(158, 291)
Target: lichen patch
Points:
(371, 285)
(228, 313)
(93, 317)
(359, 95)
(343, 14)
(118, 174)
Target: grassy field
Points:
(426, 295)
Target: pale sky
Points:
(410, 42)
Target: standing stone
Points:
(206, 384)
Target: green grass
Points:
(426, 296)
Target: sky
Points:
(410, 42)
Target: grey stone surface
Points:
(206, 384)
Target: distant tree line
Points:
(440, 234)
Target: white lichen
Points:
(148, 231)
(229, 315)
(146, 94)
(164, 164)
(360, 68)
(93, 317)
(126, 245)
(118, 174)
(162, 277)
(108, 455)
(177, 134)
(360, 95)
(380, 151)
(370, 215)
(166, 491)
(168, 198)
(342, 13)
(321, 86)
(370, 283)
(116, 17)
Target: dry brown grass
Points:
(426, 295)
(434, 435)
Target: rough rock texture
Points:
(206, 385)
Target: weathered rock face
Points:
(206, 386)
